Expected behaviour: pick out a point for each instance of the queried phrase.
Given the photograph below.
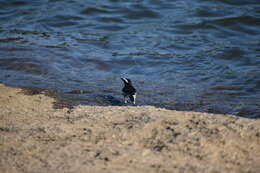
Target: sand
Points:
(36, 137)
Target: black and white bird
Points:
(129, 92)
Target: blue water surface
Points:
(190, 55)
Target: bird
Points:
(129, 92)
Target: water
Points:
(190, 55)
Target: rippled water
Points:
(186, 55)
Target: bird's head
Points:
(126, 81)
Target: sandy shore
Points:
(35, 137)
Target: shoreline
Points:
(35, 136)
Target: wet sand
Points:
(35, 136)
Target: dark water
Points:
(186, 55)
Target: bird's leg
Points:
(134, 98)
(125, 99)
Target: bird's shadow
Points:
(95, 99)
(110, 100)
